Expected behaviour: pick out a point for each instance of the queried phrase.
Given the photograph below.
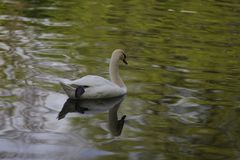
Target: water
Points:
(183, 79)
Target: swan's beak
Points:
(124, 61)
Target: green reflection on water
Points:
(183, 75)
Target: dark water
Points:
(183, 79)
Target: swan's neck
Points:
(114, 73)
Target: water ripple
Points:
(44, 21)
(188, 112)
(4, 46)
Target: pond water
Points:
(183, 79)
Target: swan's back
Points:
(91, 80)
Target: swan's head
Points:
(120, 55)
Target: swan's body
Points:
(95, 87)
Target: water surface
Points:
(183, 79)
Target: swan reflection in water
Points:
(93, 106)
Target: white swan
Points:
(95, 87)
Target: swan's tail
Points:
(69, 90)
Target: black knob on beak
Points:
(124, 61)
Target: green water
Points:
(183, 79)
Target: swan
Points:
(96, 87)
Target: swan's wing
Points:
(90, 81)
(103, 91)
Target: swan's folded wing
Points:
(103, 91)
